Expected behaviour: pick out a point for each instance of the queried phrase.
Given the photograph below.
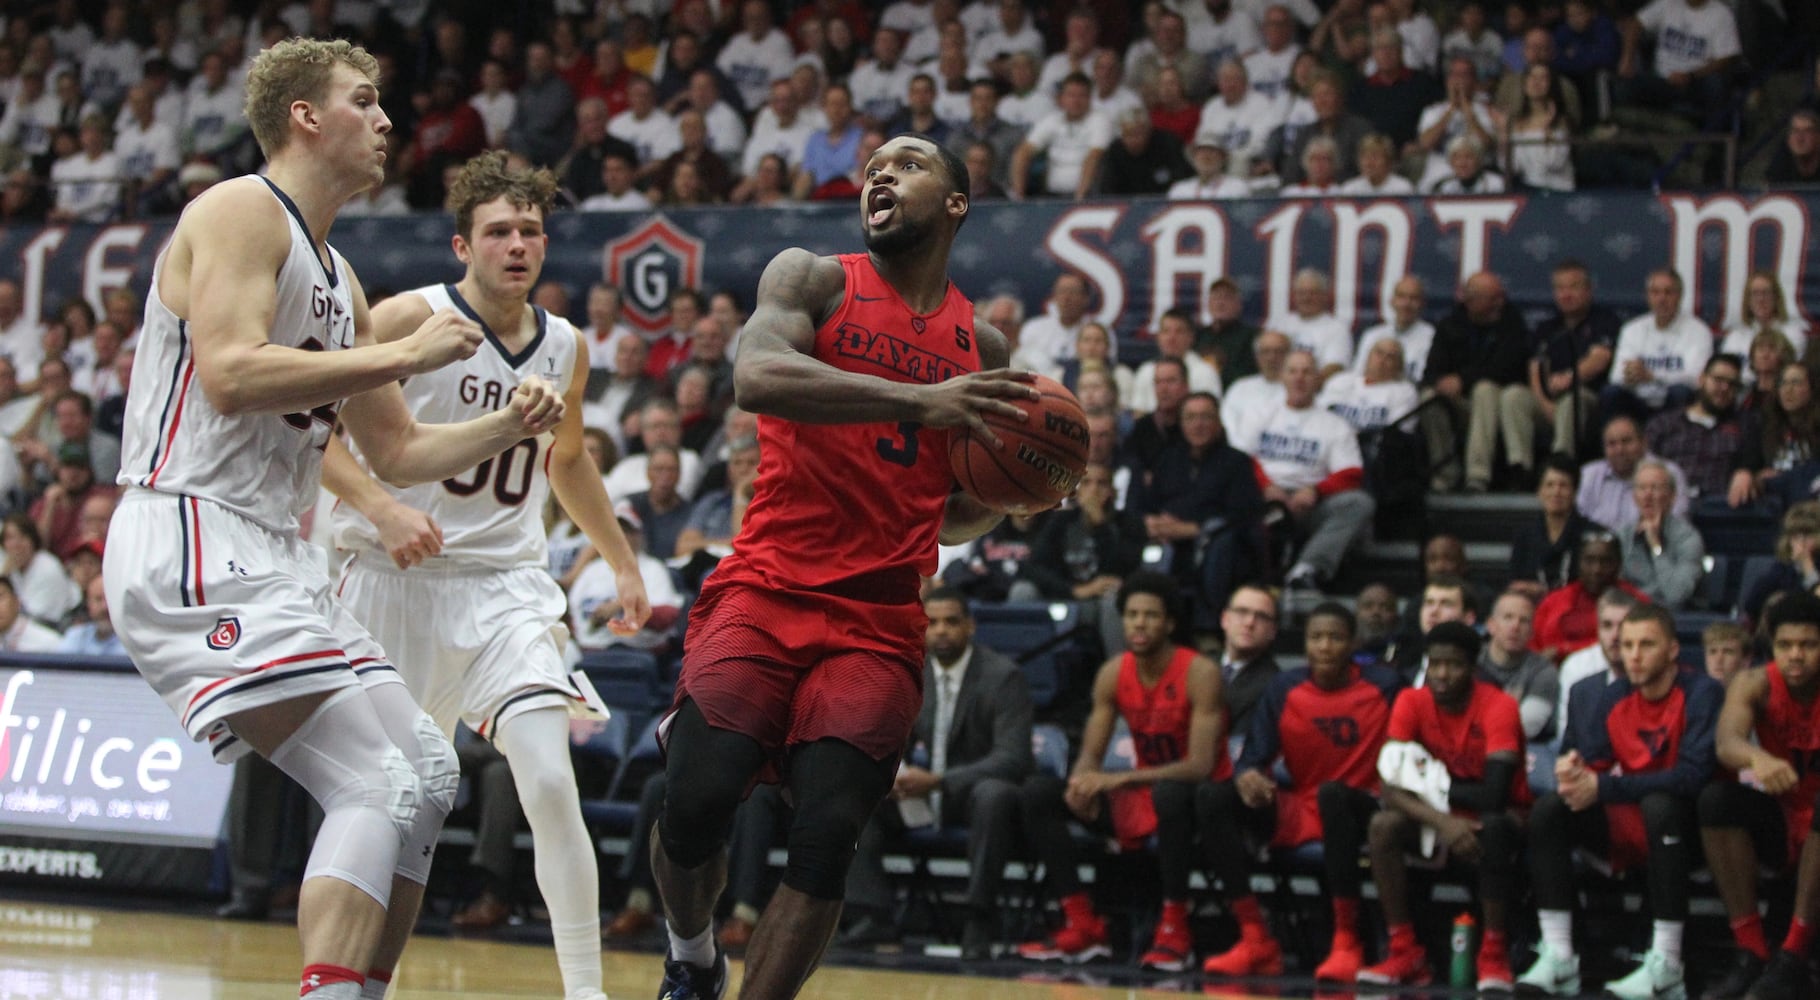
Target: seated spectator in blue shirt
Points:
(94, 637)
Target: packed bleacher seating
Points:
(1276, 480)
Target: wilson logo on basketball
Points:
(226, 634)
(1056, 423)
(1060, 478)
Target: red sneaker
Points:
(1403, 968)
(1494, 971)
(1079, 940)
(1171, 949)
(1250, 957)
(1342, 963)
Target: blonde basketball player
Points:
(452, 577)
(255, 331)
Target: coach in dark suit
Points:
(968, 752)
(1249, 622)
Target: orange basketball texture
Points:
(1043, 458)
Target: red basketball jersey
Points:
(1159, 716)
(855, 509)
(1791, 731)
(1491, 724)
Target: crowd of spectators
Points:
(128, 109)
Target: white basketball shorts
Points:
(221, 614)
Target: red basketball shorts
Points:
(788, 667)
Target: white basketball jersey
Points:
(491, 515)
(264, 466)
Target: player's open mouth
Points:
(879, 206)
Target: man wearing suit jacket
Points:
(1250, 624)
(968, 753)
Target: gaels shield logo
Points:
(226, 633)
(648, 264)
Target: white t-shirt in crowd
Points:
(1687, 37)
(1417, 339)
(1366, 406)
(1069, 143)
(1298, 448)
(1675, 355)
(1325, 336)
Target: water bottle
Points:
(1461, 975)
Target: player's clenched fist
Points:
(538, 405)
(447, 336)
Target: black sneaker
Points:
(1745, 970)
(683, 981)
(1785, 978)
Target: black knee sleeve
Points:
(1345, 814)
(708, 771)
(836, 788)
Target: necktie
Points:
(944, 721)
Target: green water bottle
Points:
(1461, 975)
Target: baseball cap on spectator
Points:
(1208, 139)
(72, 453)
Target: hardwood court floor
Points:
(66, 951)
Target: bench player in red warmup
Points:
(804, 659)
(1770, 726)
(1172, 701)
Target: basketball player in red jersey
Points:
(1171, 699)
(1474, 731)
(1740, 825)
(805, 648)
(1324, 723)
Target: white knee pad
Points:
(369, 793)
(438, 769)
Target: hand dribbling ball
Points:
(1043, 458)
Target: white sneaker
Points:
(1658, 978)
(1555, 975)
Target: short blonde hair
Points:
(296, 69)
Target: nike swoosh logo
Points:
(1670, 841)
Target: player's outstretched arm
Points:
(403, 452)
(583, 495)
(777, 375)
(219, 276)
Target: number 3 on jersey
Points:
(903, 451)
(509, 473)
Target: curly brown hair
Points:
(296, 69)
(491, 175)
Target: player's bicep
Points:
(792, 297)
(229, 292)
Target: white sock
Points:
(697, 951)
(373, 990)
(337, 991)
(1668, 939)
(536, 745)
(1558, 931)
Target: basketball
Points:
(1043, 457)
